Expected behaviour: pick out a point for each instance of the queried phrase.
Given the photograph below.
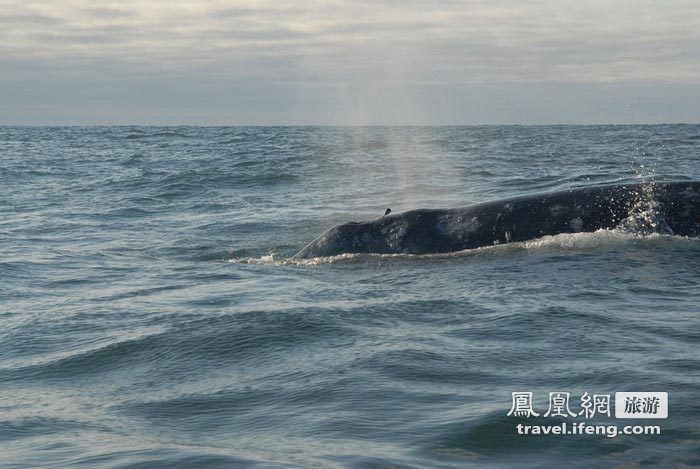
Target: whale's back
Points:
(676, 207)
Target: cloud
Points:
(387, 47)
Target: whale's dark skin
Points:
(426, 231)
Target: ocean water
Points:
(150, 315)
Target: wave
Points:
(137, 135)
(86, 360)
(601, 240)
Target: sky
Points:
(363, 62)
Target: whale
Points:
(671, 208)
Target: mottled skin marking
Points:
(588, 209)
(576, 225)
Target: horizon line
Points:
(621, 124)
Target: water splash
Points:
(646, 219)
(645, 216)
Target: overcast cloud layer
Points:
(343, 62)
